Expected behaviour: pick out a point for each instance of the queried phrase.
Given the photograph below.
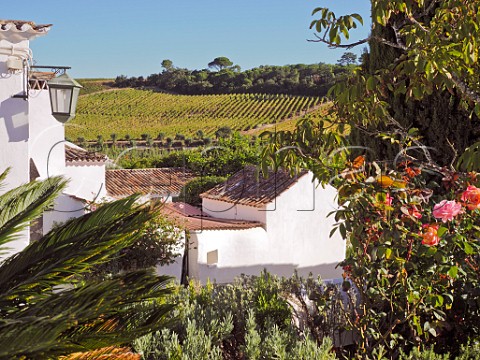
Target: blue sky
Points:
(106, 38)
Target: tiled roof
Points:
(249, 187)
(161, 181)
(76, 154)
(18, 30)
(193, 219)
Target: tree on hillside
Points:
(220, 63)
(223, 132)
(167, 64)
(47, 307)
(348, 58)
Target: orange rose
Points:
(471, 197)
(430, 236)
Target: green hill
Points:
(135, 112)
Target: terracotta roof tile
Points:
(18, 30)
(76, 154)
(193, 219)
(249, 187)
(161, 181)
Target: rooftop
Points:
(193, 219)
(249, 187)
(19, 30)
(159, 181)
(75, 154)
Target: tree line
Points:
(223, 77)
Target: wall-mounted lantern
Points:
(64, 93)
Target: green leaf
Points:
(442, 230)
(467, 248)
(371, 83)
(358, 17)
(453, 272)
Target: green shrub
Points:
(192, 190)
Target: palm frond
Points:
(98, 315)
(72, 250)
(25, 203)
(108, 353)
(3, 175)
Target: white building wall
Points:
(47, 136)
(224, 210)
(65, 209)
(298, 222)
(14, 135)
(87, 182)
(296, 237)
(239, 252)
(174, 269)
(14, 131)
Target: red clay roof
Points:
(249, 187)
(193, 219)
(161, 181)
(74, 154)
(21, 30)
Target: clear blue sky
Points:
(106, 38)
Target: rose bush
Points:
(414, 255)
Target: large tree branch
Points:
(363, 41)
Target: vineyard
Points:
(136, 112)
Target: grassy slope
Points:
(104, 111)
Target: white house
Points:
(251, 223)
(32, 141)
(247, 224)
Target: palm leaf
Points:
(72, 249)
(25, 203)
(98, 315)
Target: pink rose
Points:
(471, 197)
(447, 210)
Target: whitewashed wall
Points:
(298, 222)
(47, 136)
(14, 134)
(239, 251)
(65, 209)
(224, 210)
(297, 237)
(86, 182)
(14, 131)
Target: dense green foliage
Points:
(47, 307)
(250, 319)
(445, 124)
(136, 112)
(262, 318)
(224, 158)
(420, 73)
(159, 243)
(192, 190)
(307, 80)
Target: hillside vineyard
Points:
(137, 112)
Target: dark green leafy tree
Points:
(47, 308)
(220, 63)
(348, 58)
(223, 132)
(167, 64)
